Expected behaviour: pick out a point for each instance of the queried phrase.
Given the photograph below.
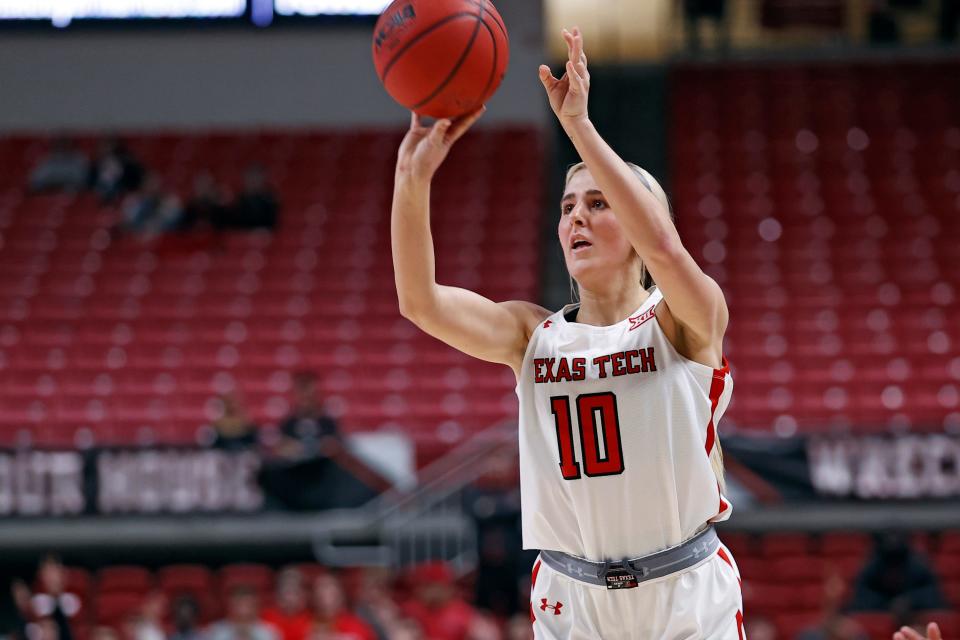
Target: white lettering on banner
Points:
(36, 483)
(177, 481)
(910, 466)
(829, 470)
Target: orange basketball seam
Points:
(463, 56)
(436, 25)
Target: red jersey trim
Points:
(533, 582)
(716, 390)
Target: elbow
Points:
(413, 310)
(407, 309)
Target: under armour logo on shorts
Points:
(545, 604)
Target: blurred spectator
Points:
(186, 617)
(148, 625)
(882, 25)
(896, 579)
(54, 602)
(114, 170)
(834, 627)
(436, 605)
(307, 431)
(256, 205)
(949, 20)
(14, 607)
(150, 210)
(696, 10)
(757, 627)
(65, 167)
(494, 503)
(290, 615)
(235, 431)
(483, 628)
(406, 630)
(207, 204)
(44, 629)
(331, 619)
(374, 601)
(104, 633)
(519, 628)
(243, 618)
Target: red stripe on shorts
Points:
(723, 555)
(740, 624)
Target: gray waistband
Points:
(656, 565)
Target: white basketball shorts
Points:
(700, 603)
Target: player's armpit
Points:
(695, 300)
(477, 326)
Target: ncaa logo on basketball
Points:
(395, 24)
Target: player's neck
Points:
(605, 307)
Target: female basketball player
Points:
(619, 394)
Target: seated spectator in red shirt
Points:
(437, 606)
(289, 614)
(331, 619)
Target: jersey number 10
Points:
(599, 425)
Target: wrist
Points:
(408, 179)
(576, 126)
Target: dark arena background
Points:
(214, 422)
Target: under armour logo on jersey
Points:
(545, 604)
(546, 325)
(699, 549)
(636, 321)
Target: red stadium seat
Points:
(112, 609)
(127, 579)
(845, 544)
(191, 578)
(257, 576)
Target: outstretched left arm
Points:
(695, 300)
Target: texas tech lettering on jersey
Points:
(617, 364)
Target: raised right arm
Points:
(467, 321)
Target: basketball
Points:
(440, 58)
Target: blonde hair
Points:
(646, 281)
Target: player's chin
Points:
(582, 268)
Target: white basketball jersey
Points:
(616, 429)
